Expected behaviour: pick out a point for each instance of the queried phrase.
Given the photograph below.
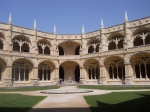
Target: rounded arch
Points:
(141, 65)
(138, 55)
(68, 48)
(69, 71)
(93, 40)
(93, 45)
(21, 70)
(2, 38)
(45, 69)
(92, 69)
(64, 41)
(108, 60)
(22, 37)
(48, 62)
(139, 29)
(115, 68)
(21, 43)
(141, 36)
(69, 61)
(2, 67)
(44, 46)
(115, 41)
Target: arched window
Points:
(142, 37)
(44, 72)
(44, 47)
(93, 46)
(20, 71)
(116, 70)
(142, 68)
(93, 71)
(115, 42)
(21, 43)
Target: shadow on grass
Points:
(141, 104)
(137, 105)
(45, 110)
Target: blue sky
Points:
(70, 15)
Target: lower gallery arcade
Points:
(111, 70)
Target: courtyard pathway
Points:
(61, 102)
(66, 102)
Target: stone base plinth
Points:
(8, 82)
(92, 82)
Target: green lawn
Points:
(15, 89)
(120, 102)
(113, 87)
(18, 102)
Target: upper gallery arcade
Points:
(117, 55)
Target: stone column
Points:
(102, 78)
(103, 72)
(55, 76)
(82, 75)
(128, 74)
(35, 79)
(128, 71)
(8, 76)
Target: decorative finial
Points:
(83, 29)
(54, 30)
(10, 19)
(34, 24)
(126, 16)
(102, 24)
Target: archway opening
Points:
(61, 73)
(77, 50)
(61, 50)
(69, 71)
(77, 74)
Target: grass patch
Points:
(15, 89)
(18, 102)
(107, 87)
(120, 102)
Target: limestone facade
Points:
(117, 55)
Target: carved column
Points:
(55, 76)
(128, 40)
(8, 76)
(82, 75)
(103, 40)
(35, 79)
(128, 71)
(103, 72)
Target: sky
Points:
(70, 15)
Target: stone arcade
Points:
(117, 55)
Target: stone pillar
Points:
(8, 76)
(35, 79)
(128, 74)
(34, 41)
(55, 77)
(103, 46)
(82, 75)
(102, 78)
(128, 42)
(128, 71)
